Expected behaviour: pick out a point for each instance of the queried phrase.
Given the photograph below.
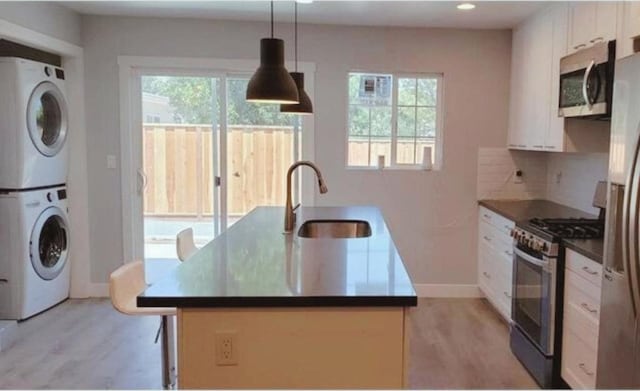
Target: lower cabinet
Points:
(495, 260)
(582, 290)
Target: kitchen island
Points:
(261, 309)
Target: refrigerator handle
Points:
(630, 228)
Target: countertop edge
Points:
(487, 204)
(307, 301)
(595, 257)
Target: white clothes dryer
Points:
(34, 260)
(33, 125)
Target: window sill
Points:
(391, 168)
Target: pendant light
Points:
(304, 106)
(271, 83)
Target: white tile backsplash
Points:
(572, 178)
(579, 173)
(496, 173)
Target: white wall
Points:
(431, 214)
(44, 17)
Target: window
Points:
(396, 116)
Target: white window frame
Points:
(130, 70)
(438, 146)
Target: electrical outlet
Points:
(518, 176)
(112, 163)
(226, 347)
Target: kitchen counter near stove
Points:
(590, 248)
(524, 210)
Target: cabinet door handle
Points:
(521, 146)
(506, 294)
(597, 39)
(549, 147)
(586, 307)
(580, 46)
(538, 146)
(486, 216)
(486, 275)
(509, 253)
(585, 370)
(488, 239)
(589, 271)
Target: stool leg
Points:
(166, 360)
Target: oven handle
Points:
(585, 83)
(530, 258)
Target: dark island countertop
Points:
(523, 210)
(253, 264)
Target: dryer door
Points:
(47, 118)
(49, 243)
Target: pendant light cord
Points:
(295, 34)
(271, 18)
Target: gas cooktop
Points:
(570, 228)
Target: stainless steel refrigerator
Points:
(619, 335)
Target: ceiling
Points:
(488, 14)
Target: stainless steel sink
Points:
(335, 229)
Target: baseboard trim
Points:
(447, 290)
(99, 289)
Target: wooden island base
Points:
(302, 347)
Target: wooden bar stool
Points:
(125, 284)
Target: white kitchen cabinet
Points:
(495, 259)
(591, 22)
(581, 319)
(537, 46)
(630, 29)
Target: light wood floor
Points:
(85, 344)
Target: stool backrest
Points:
(125, 284)
(185, 246)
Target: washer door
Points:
(47, 118)
(49, 243)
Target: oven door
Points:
(534, 298)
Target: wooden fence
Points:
(178, 164)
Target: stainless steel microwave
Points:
(586, 81)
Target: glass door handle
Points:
(217, 181)
(142, 181)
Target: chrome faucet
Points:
(289, 210)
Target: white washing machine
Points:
(33, 124)
(34, 255)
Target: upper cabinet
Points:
(629, 15)
(537, 46)
(591, 22)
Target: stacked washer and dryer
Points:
(34, 228)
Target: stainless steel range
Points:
(538, 281)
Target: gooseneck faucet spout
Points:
(289, 209)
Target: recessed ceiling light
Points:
(304, 1)
(466, 6)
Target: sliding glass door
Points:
(208, 156)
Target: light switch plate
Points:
(112, 163)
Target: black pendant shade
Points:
(304, 106)
(272, 83)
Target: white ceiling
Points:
(488, 14)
